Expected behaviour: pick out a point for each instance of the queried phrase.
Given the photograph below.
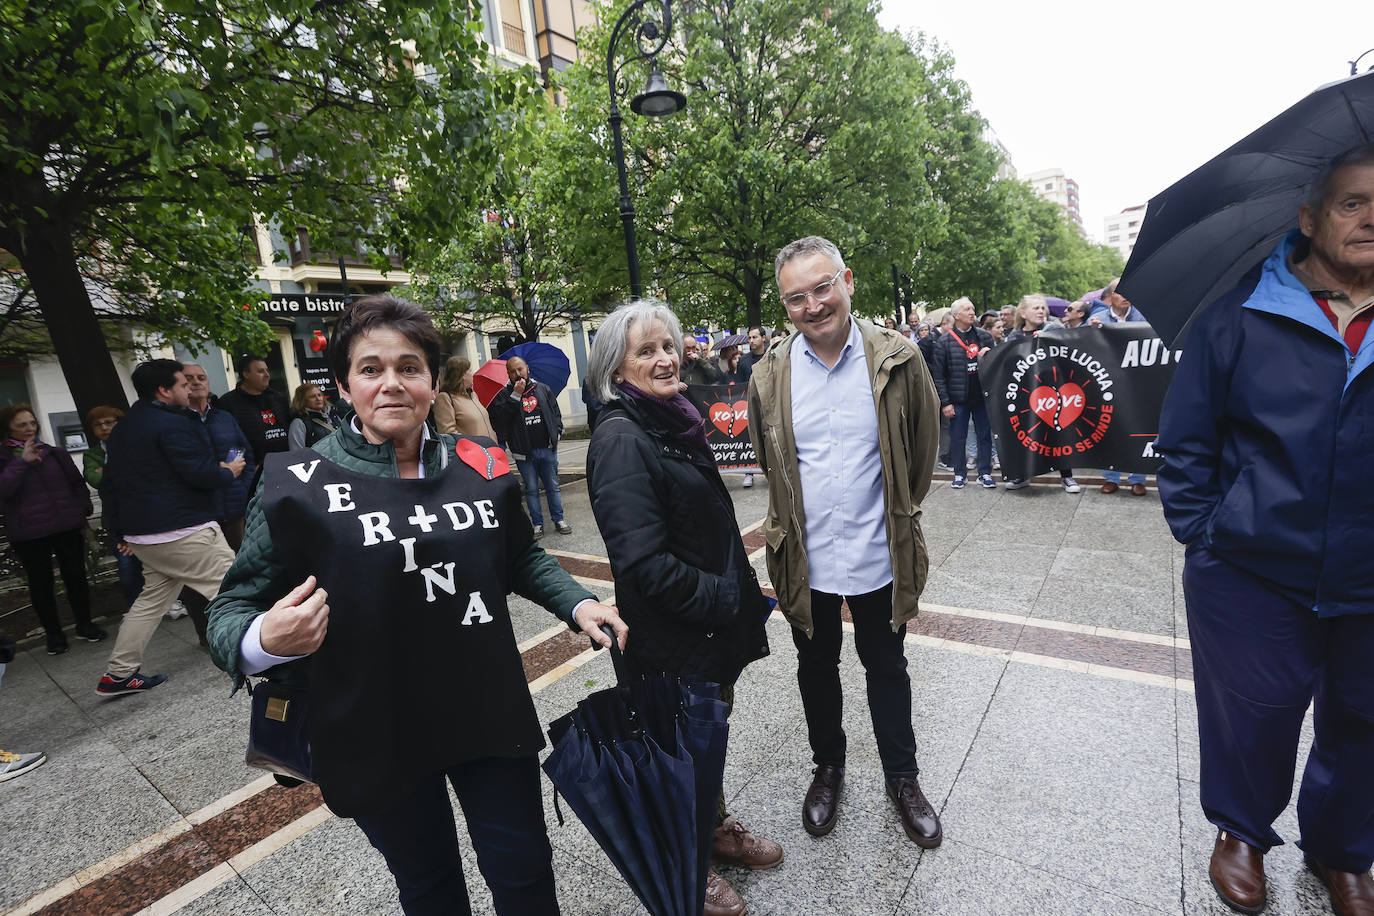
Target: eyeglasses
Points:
(820, 292)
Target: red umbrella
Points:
(488, 381)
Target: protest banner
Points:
(1078, 398)
(726, 409)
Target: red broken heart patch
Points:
(731, 419)
(1058, 407)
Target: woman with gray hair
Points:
(683, 581)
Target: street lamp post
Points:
(656, 101)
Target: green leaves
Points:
(150, 136)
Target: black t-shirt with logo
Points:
(536, 430)
(968, 342)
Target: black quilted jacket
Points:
(683, 581)
(949, 365)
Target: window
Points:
(1113, 238)
(1049, 186)
(1134, 222)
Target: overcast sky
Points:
(1129, 97)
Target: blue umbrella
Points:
(547, 363)
(641, 765)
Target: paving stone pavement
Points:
(1055, 722)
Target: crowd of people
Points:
(1278, 599)
(954, 340)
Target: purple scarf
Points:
(676, 416)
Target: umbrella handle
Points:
(617, 657)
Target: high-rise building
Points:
(1006, 170)
(1120, 229)
(1053, 185)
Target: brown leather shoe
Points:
(822, 803)
(1352, 894)
(919, 820)
(735, 845)
(1138, 489)
(1110, 487)
(1237, 874)
(721, 898)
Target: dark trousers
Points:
(504, 808)
(883, 655)
(36, 555)
(1259, 659)
(958, 436)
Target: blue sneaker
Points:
(957, 483)
(134, 683)
(985, 481)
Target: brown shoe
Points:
(1110, 487)
(919, 820)
(1237, 874)
(721, 898)
(1138, 489)
(1352, 894)
(735, 845)
(822, 803)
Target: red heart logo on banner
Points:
(1058, 407)
(731, 419)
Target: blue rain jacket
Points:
(1268, 437)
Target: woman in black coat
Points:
(683, 581)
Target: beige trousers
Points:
(198, 560)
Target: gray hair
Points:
(961, 301)
(1320, 188)
(613, 340)
(812, 244)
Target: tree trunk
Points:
(50, 263)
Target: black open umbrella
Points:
(641, 765)
(1204, 232)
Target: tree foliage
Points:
(139, 141)
(504, 261)
(803, 117)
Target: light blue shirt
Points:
(835, 424)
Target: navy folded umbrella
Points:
(1203, 233)
(641, 765)
(547, 363)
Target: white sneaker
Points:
(1071, 485)
(748, 481)
(176, 611)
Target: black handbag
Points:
(278, 738)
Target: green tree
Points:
(139, 141)
(504, 260)
(803, 117)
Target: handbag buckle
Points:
(276, 708)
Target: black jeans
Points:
(36, 557)
(883, 656)
(504, 808)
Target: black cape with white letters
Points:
(419, 670)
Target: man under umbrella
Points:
(1267, 432)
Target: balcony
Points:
(514, 38)
(300, 252)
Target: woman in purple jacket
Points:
(46, 502)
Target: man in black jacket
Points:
(527, 418)
(161, 489)
(262, 414)
(955, 369)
